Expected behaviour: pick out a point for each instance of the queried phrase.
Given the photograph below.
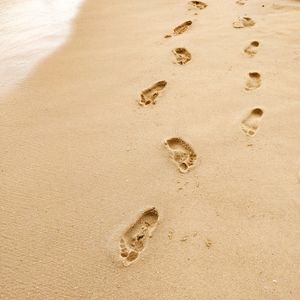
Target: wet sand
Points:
(116, 187)
(30, 30)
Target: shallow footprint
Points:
(182, 56)
(243, 22)
(149, 96)
(198, 4)
(181, 153)
(253, 82)
(241, 2)
(251, 49)
(135, 238)
(251, 122)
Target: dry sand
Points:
(81, 160)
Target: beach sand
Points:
(210, 171)
(29, 31)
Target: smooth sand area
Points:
(29, 31)
(105, 195)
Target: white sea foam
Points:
(29, 31)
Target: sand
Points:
(29, 31)
(193, 195)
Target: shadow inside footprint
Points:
(135, 238)
(251, 122)
(181, 153)
(198, 4)
(253, 82)
(182, 56)
(243, 22)
(182, 27)
(149, 96)
(251, 49)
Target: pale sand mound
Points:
(80, 159)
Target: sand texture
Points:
(156, 155)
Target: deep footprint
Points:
(181, 153)
(149, 96)
(135, 238)
(251, 49)
(243, 22)
(198, 4)
(253, 82)
(182, 56)
(182, 27)
(251, 122)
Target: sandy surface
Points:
(81, 160)
(29, 31)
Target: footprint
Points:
(182, 56)
(250, 123)
(251, 49)
(241, 2)
(135, 238)
(182, 27)
(149, 96)
(243, 22)
(198, 4)
(253, 82)
(181, 153)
